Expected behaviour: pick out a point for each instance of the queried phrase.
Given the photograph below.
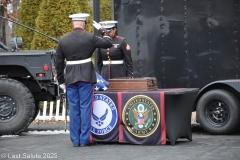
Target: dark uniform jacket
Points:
(119, 51)
(74, 46)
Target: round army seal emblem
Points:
(141, 116)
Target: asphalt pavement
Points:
(50, 141)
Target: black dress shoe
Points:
(76, 145)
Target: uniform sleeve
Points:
(127, 58)
(104, 42)
(60, 65)
(99, 60)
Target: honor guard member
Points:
(77, 48)
(116, 61)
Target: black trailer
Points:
(188, 44)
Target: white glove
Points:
(63, 87)
(97, 25)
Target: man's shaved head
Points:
(79, 24)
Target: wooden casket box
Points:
(132, 84)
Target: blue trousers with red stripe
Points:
(80, 98)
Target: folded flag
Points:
(101, 85)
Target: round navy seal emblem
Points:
(104, 115)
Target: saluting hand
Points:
(100, 28)
(97, 25)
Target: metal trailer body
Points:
(188, 44)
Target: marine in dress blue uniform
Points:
(77, 48)
(116, 61)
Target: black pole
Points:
(96, 17)
(113, 10)
(114, 17)
(96, 13)
(2, 26)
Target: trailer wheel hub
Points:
(218, 112)
(8, 108)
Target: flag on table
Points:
(101, 85)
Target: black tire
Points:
(17, 107)
(218, 112)
(37, 108)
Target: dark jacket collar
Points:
(77, 30)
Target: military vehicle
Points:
(26, 78)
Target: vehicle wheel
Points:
(37, 108)
(17, 107)
(218, 112)
(36, 111)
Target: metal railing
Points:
(53, 111)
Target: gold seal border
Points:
(157, 110)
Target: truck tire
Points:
(218, 112)
(37, 108)
(17, 107)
